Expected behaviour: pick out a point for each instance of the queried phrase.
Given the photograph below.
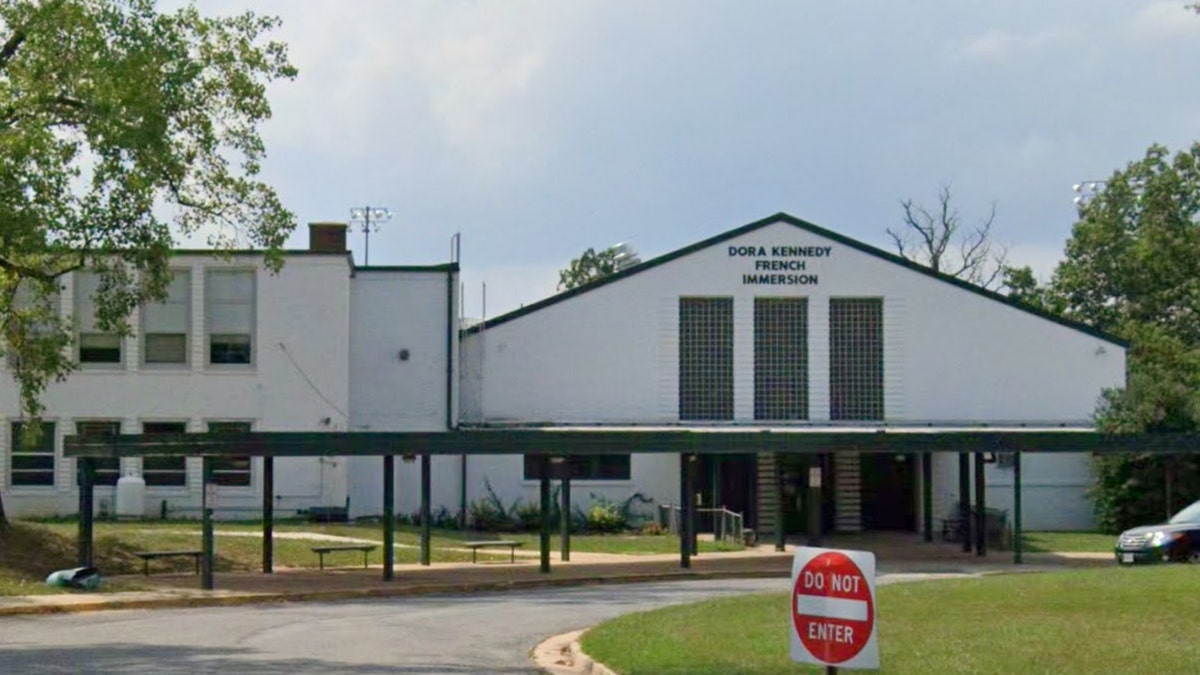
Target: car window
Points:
(1191, 514)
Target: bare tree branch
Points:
(927, 238)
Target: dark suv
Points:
(1177, 540)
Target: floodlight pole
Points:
(369, 217)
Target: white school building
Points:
(775, 323)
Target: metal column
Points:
(1016, 542)
(564, 515)
(268, 515)
(544, 475)
(389, 517)
(685, 511)
(927, 494)
(779, 496)
(980, 504)
(85, 468)
(426, 531)
(207, 557)
(964, 500)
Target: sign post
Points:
(833, 608)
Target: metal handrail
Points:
(727, 525)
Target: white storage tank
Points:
(131, 495)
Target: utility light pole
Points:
(369, 217)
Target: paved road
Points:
(488, 633)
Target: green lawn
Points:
(1068, 542)
(1110, 620)
(31, 550)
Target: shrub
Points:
(605, 515)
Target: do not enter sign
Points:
(833, 608)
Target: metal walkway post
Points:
(389, 517)
(268, 515)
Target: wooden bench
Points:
(147, 556)
(494, 543)
(322, 550)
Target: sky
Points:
(536, 130)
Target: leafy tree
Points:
(120, 128)
(938, 240)
(1132, 268)
(588, 267)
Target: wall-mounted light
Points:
(408, 458)
(403, 355)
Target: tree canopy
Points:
(589, 266)
(1132, 268)
(122, 127)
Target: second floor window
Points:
(95, 345)
(165, 324)
(229, 310)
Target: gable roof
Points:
(814, 229)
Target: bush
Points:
(607, 516)
(1131, 490)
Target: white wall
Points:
(394, 310)
(298, 382)
(952, 356)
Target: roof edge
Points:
(782, 217)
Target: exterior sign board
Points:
(833, 608)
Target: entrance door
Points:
(889, 492)
(729, 481)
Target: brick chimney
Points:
(327, 237)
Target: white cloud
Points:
(999, 45)
(457, 74)
(1165, 20)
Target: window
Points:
(159, 470)
(229, 302)
(781, 358)
(27, 299)
(32, 466)
(856, 359)
(706, 358)
(165, 324)
(95, 346)
(586, 467)
(107, 469)
(230, 470)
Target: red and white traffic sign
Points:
(833, 608)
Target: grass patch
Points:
(1068, 542)
(30, 550)
(1105, 620)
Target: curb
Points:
(364, 594)
(562, 655)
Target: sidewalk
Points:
(182, 590)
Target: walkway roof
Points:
(585, 440)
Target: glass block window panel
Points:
(231, 470)
(781, 358)
(229, 308)
(160, 471)
(32, 466)
(706, 358)
(107, 469)
(856, 359)
(586, 467)
(95, 346)
(165, 325)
